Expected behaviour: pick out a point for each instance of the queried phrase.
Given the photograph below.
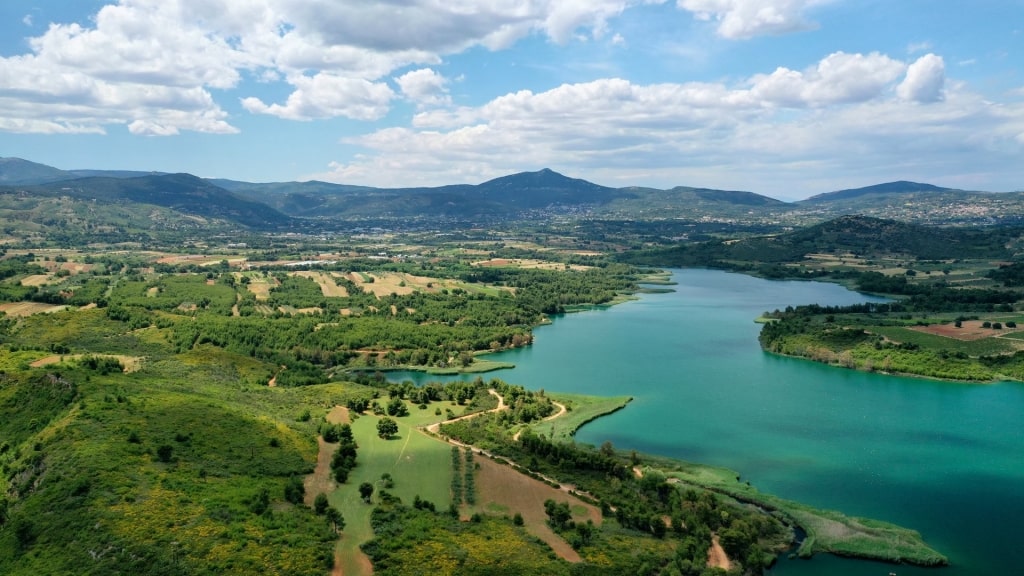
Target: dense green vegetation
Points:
(878, 337)
(636, 507)
(853, 234)
(138, 432)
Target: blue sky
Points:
(787, 98)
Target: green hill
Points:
(862, 235)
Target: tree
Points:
(559, 514)
(396, 407)
(320, 504)
(386, 428)
(294, 490)
(336, 519)
(366, 491)
(165, 452)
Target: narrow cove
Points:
(943, 458)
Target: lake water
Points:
(946, 459)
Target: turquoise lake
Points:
(946, 459)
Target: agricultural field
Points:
(504, 492)
(22, 309)
(974, 342)
(327, 283)
(527, 264)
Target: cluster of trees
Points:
(344, 458)
(571, 457)
(525, 406)
(1008, 274)
(649, 504)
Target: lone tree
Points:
(386, 428)
(320, 504)
(336, 519)
(366, 491)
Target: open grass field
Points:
(385, 283)
(528, 264)
(983, 346)
(130, 363)
(326, 283)
(199, 259)
(36, 280)
(23, 309)
(11, 361)
(260, 286)
(420, 465)
(968, 330)
(580, 410)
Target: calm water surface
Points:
(946, 459)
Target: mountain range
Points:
(533, 196)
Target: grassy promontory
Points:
(598, 475)
(580, 409)
(827, 530)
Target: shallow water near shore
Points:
(946, 459)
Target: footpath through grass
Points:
(580, 410)
(418, 464)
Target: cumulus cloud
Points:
(328, 96)
(838, 78)
(335, 55)
(424, 86)
(740, 19)
(843, 114)
(925, 80)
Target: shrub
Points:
(165, 453)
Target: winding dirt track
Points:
(433, 430)
(561, 410)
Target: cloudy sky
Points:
(788, 98)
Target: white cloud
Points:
(424, 86)
(838, 78)
(842, 116)
(925, 80)
(334, 54)
(27, 20)
(739, 19)
(328, 96)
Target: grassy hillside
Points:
(861, 236)
(176, 468)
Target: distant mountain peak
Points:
(21, 171)
(897, 187)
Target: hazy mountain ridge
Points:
(888, 188)
(534, 196)
(182, 193)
